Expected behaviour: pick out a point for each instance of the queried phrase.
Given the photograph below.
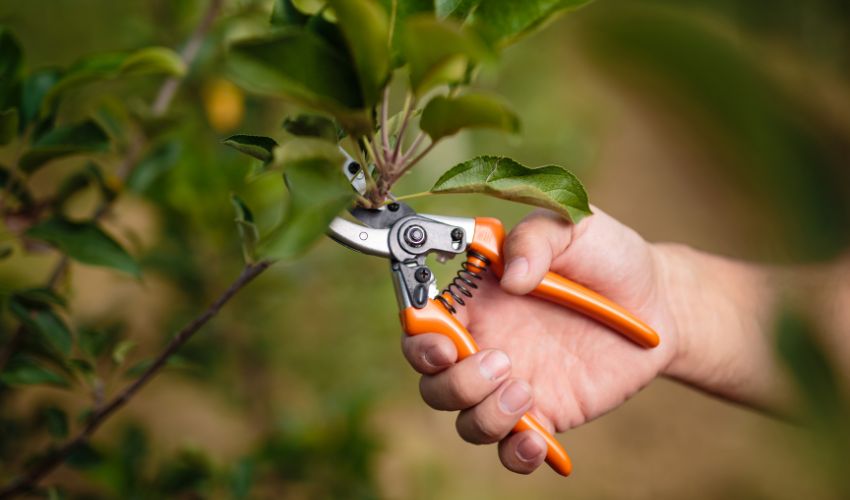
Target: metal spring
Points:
(463, 283)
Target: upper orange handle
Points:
(487, 241)
(434, 318)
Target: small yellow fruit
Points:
(224, 104)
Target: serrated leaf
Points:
(45, 323)
(119, 354)
(318, 191)
(551, 187)
(438, 52)
(159, 160)
(78, 138)
(85, 242)
(311, 125)
(248, 233)
(8, 125)
(365, 25)
(503, 22)
(299, 65)
(257, 146)
(25, 371)
(445, 116)
(153, 61)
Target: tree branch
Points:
(43, 468)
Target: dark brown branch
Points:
(43, 468)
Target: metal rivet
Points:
(393, 207)
(353, 167)
(364, 236)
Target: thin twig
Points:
(409, 103)
(414, 161)
(413, 146)
(41, 469)
(385, 134)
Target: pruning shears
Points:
(398, 233)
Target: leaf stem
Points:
(413, 146)
(44, 467)
(414, 161)
(385, 135)
(409, 103)
(411, 196)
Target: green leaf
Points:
(8, 125)
(502, 22)
(119, 354)
(45, 323)
(445, 116)
(79, 138)
(33, 91)
(39, 297)
(56, 422)
(85, 242)
(153, 61)
(366, 28)
(438, 52)
(147, 61)
(261, 148)
(300, 66)
(248, 233)
(318, 191)
(25, 371)
(284, 13)
(90, 175)
(6, 251)
(311, 125)
(11, 62)
(550, 187)
(156, 163)
(400, 11)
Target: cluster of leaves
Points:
(33, 122)
(339, 58)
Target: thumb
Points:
(530, 248)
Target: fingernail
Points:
(515, 397)
(436, 357)
(516, 268)
(494, 365)
(528, 449)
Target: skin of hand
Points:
(535, 356)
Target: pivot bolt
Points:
(415, 236)
(423, 275)
(393, 207)
(457, 234)
(353, 167)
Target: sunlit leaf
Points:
(119, 354)
(25, 371)
(318, 191)
(445, 116)
(311, 125)
(45, 323)
(153, 61)
(365, 25)
(400, 11)
(8, 125)
(502, 22)
(85, 242)
(298, 65)
(259, 147)
(550, 187)
(79, 138)
(438, 52)
(248, 233)
(90, 175)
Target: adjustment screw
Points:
(415, 236)
(457, 234)
(393, 207)
(353, 167)
(423, 275)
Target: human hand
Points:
(564, 367)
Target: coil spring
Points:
(463, 284)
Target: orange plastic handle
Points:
(487, 241)
(434, 318)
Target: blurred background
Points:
(724, 125)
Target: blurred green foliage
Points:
(307, 357)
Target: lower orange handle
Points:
(434, 318)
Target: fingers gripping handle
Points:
(488, 239)
(434, 318)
